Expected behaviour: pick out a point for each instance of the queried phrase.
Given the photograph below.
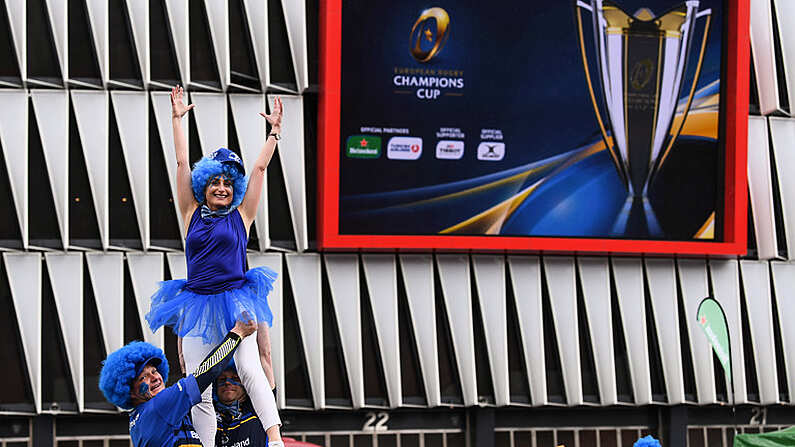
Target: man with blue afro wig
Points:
(134, 377)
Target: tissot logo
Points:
(449, 149)
(404, 148)
(489, 150)
(429, 34)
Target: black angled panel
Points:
(124, 64)
(57, 389)
(42, 58)
(9, 64)
(83, 63)
(243, 67)
(203, 66)
(163, 65)
(17, 393)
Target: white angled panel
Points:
(782, 134)
(693, 277)
(291, 154)
(138, 12)
(218, 19)
(24, 279)
(177, 265)
(295, 19)
(763, 52)
(257, 16)
(665, 309)
(177, 11)
(418, 280)
(381, 275)
(343, 277)
(629, 287)
(725, 280)
(66, 276)
(274, 262)
(161, 104)
(490, 282)
(15, 10)
(761, 187)
(456, 290)
(51, 108)
(526, 283)
(91, 112)
(305, 280)
(562, 287)
(106, 272)
(595, 277)
(250, 127)
(210, 113)
(756, 285)
(59, 18)
(785, 15)
(784, 283)
(146, 270)
(132, 119)
(14, 142)
(98, 18)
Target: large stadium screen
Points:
(590, 125)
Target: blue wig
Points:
(123, 365)
(647, 441)
(207, 168)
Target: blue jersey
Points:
(243, 430)
(164, 420)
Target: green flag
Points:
(772, 439)
(712, 321)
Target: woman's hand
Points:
(178, 108)
(244, 329)
(275, 118)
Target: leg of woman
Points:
(194, 351)
(264, 346)
(253, 377)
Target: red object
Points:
(735, 195)
(290, 442)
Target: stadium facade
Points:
(369, 349)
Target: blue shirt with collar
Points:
(164, 420)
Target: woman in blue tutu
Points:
(218, 204)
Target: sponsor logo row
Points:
(410, 148)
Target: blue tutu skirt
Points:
(210, 317)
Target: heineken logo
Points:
(363, 146)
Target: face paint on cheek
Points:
(143, 390)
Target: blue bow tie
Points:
(220, 212)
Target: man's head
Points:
(147, 384)
(229, 388)
(133, 374)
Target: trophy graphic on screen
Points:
(641, 61)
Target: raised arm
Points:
(248, 208)
(187, 203)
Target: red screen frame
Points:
(735, 194)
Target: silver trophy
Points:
(641, 60)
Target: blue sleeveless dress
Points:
(218, 290)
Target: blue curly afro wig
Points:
(121, 367)
(208, 168)
(647, 441)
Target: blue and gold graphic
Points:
(526, 89)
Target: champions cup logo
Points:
(429, 34)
